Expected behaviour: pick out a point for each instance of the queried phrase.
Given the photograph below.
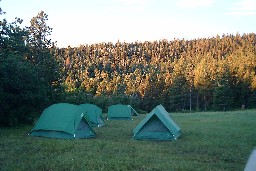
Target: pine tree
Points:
(179, 88)
(41, 52)
(203, 81)
(223, 97)
(178, 95)
(1, 11)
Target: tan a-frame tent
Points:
(251, 163)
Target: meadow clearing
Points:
(209, 141)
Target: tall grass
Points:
(210, 141)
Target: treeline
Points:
(215, 73)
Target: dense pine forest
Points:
(214, 73)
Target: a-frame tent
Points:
(133, 111)
(157, 125)
(64, 121)
(119, 112)
(93, 113)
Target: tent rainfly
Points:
(64, 121)
(251, 163)
(119, 112)
(157, 125)
(93, 113)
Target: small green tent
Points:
(119, 112)
(93, 113)
(157, 125)
(64, 121)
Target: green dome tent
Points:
(64, 121)
(157, 125)
(93, 113)
(119, 112)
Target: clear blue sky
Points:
(76, 22)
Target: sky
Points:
(79, 22)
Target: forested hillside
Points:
(215, 73)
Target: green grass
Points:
(210, 141)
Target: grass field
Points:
(210, 141)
